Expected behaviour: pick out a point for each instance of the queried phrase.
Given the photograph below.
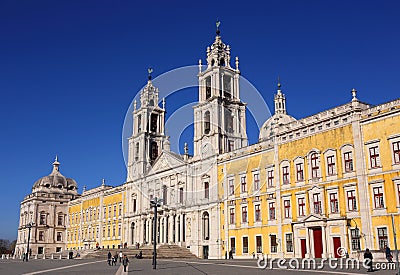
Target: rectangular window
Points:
(382, 238)
(258, 244)
(314, 166)
(274, 244)
(233, 245)
(396, 152)
(41, 236)
(270, 178)
(271, 207)
(206, 190)
(231, 187)
(257, 212)
(333, 201)
(134, 205)
(351, 200)
(120, 210)
(60, 219)
(285, 174)
(289, 242)
(181, 195)
(348, 162)
(256, 182)
(244, 214)
(119, 230)
(378, 197)
(317, 203)
(109, 211)
(42, 220)
(355, 239)
(302, 206)
(331, 165)
(374, 156)
(232, 215)
(59, 236)
(165, 195)
(108, 231)
(231, 145)
(299, 172)
(245, 244)
(105, 212)
(115, 210)
(243, 184)
(286, 206)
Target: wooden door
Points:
(303, 247)
(317, 234)
(336, 245)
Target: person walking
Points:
(368, 260)
(389, 256)
(109, 258)
(115, 259)
(125, 262)
(120, 256)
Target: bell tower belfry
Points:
(219, 116)
(146, 142)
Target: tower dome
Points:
(55, 181)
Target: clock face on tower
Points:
(206, 149)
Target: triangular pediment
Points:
(166, 160)
(314, 218)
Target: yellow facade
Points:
(95, 219)
(314, 186)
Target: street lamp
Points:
(155, 203)
(29, 226)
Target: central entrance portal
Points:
(317, 237)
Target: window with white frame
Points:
(334, 202)
(289, 242)
(231, 185)
(378, 197)
(271, 207)
(374, 157)
(317, 203)
(245, 244)
(270, 178)
(256, 183)
(300, 171)
(355, 239)
(273, 242)
(243, 184)
(382, 237)
(285, 174)
(287, 208)
(396, 152)
(257, 212)
(231, 215)
(314, 165)
(259, 244)
(331, 165)
(347, 158)
(301, 204)
(351, 200)
(244, 214)
(398, 192)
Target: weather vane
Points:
(150, 70)
(217, 24)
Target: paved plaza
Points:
(172, 267)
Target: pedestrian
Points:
(115, 258)
(120, 256)
(23, 256)
(368, 260)
(125, 262)
(109, 258)
(230, 254)
(254, 256)
(389, 256)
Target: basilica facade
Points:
(307, 188)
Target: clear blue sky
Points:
(70, 69)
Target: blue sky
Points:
(70, 69)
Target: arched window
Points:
(139, 123)
(151, 103)
(153, 151)
(207, 122)
(206, 226)
(137, 151)
(222, 62)
(208, 87)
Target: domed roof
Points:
(55, 181)
(267, 130)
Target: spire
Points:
(56, 165)
(103, 182)
(280, 100)
(218, 54)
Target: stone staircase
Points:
(163, 252)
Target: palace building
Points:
(308, 188)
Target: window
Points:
(105, 212)
(348, 162)
(119, 229)
(208, 87)
(378, 197)
(351, 200)
(243, 184)
(232, 215)
(396, 152)
(355, 239)
(258, 244)
(206, 190)
(109, 231)
(153, 151)
(42, 220)
(331, 165)
(285, 174)
(289, 242)
(59, 236)
(181, 195)
(207, 122)
(228, 121)
(333, 202)
(317, 203)
(374, 157)
(41, 236)
(270, 178)
(286, 206)
(113, 230)
(165, 194)
(206, 226)
(302, 206)
(245, 244)
(139, 123)
(120, 210)
(60, 219)
(109, 211)
(137, 151)
(256, 182)
(153, 122)
(231, 145)
(398, 191)
(231, 187)
(115, 210)
(257, 213)
(382, 238)
(274, 244)
(271, 207)
(299, 171)
(233, 245)
(244, 214)
(314, 165)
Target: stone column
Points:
(324, 248)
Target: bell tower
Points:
(220, 116)
(146, 142)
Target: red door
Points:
(317, 234)
(336, 245)
(303, 247)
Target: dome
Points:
(55, 181)
(266, 130)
